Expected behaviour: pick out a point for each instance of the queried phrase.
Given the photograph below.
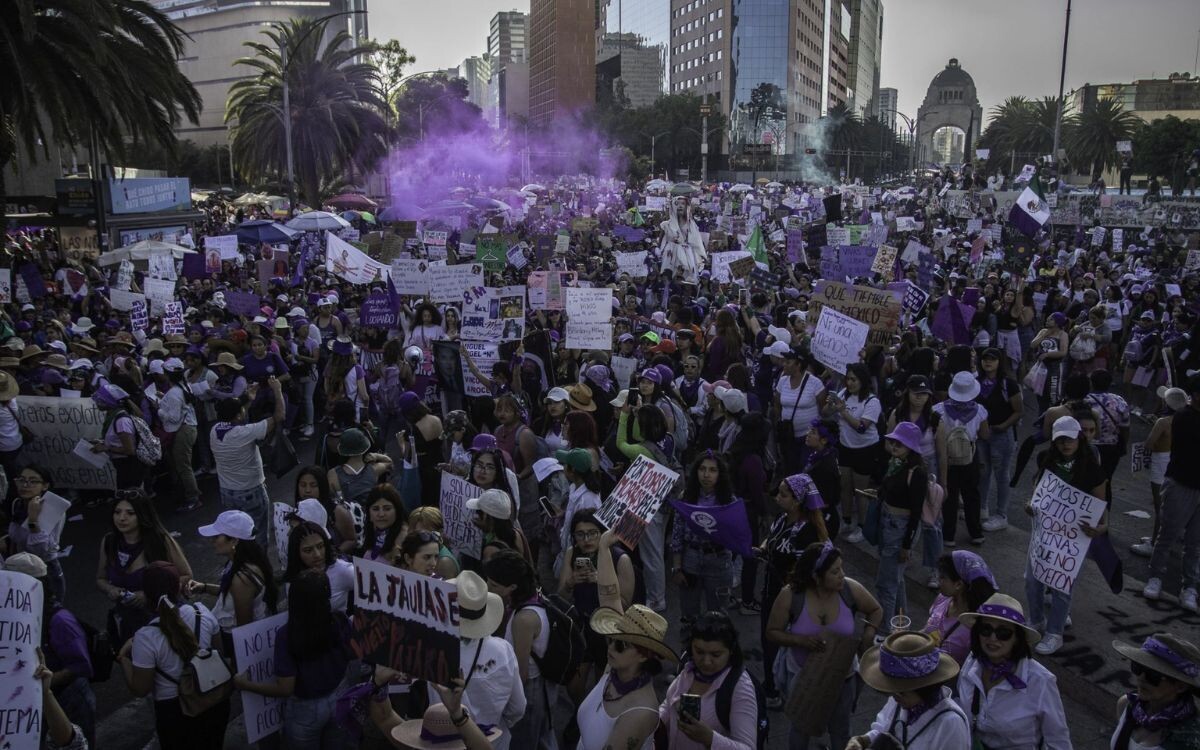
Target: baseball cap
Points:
(1067, 427)
(544, 467)
(777, 349)
(231, 523)
(494, 503)
(557, 394)
(311, 510)
(732, 399)
(173, 364)
(578, 459)
(918, 384)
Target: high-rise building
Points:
(866, 50)
(507, 36)
(476, 71)
(562, 58)
(508, 77)
(773, 67)
(632, 48)
(217, 32)
(1149, 98)
(886, 102)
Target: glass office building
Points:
(758, 71)
(637, 33)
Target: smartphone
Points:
(634, 393)
(583, 563)
(547, 507)
(689, 703)
(744, 297)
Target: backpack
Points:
(205, 681)
(935, 496)
(100, 652)
(960, 448)
(566, 647)
(149, 447)
(388, 391)
(683, 428)
(725, 704)
(541, 449)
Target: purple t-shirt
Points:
(68, 645)
(257, 370)
(315, 678)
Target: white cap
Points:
(81, 364)
(557, 394)
(544, 467)
(732, 399)
(780, 334)
(173, 364)
(259, 319)
(311, 510)
(777, 349)
(494, 503)
(621, 398)
(156, 367)
(231, 523)
(1067, 427)
(296, 312)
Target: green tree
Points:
(844, 128)
(75, 70)
(1163, 148)
(1095, 132)
(434, 105)
(1020, 129)
(338, 110)
(390, 59)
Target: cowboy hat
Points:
(87, 343)
(57, 361)
(227, 359)
(82, 326)
(434, 731)
(580, 397)
(31, 351)
(9, 362)
(479, 611)
(154, 346)
(639, 625)
(1167, 654)
(906, 661)
(176, 339)
(1004, 608)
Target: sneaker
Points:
(1049, 644)
(307, 431)
(995, 523)
(1067, 624)
(1153, 589)
(950, 543)
(751, 608)
(189, 507)
(1142, 549)
(774, 702)
(932, 582)
(977, 541)
(855, 536)
(1187, 600)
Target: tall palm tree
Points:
(844, 128)
(1093, 141)
(338, 107)
(100, 72)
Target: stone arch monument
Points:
(950, 101)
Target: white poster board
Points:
(410, 276)
(1058, 546)
(447, 283)
(254, 651)
(462, 536)
(636, 498)
(21, 615)
(58, 424)
(838, 339)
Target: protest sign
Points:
(516, 257)
(562, 243)
(720, 263)
(740, 268)
(633, 264)
(884, 263)
(912, 297)
(348, 262)
(589, 305)
(405, 621)
(280, 512)
(1118, 239)
(410, 277)
(57, 425)
(656, 203)
(1139, 457)
(795, 246)
(434, 237)
(913, 251)
(225, 245)
(254, 652)
(446, 283)
(836, 236)
(1057, 545)
(158, 293)
(123, 301)
(124, 274)
(1125, 147)
(172, 319)
(484, 354)
(242, 303)
(974, 226)
(491, 253)
(906, 224)
(139, 315)
(512, 313)
(162, 266)
(5, 286)
(635, 499)
(584, 334)
(1193, 260)
(376, 310)
(20, 637)
(460, 533)
(879, 309)
(623, 369)
(837, 339)
(855, 260)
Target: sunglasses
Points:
(999, 633)
(618, 645)
(1152, 677)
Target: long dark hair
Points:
(508, 567)
(497, 455)
(977, 591)
(805, 571)
(179, 378)
(295, 538)
(865, 387)
(1020, 649)
(312, 630)
(150, 530)
(160, 584)
(1084, 462)
(724, 487)
(581, 430)
(248, 552)
(325, 495)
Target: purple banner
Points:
(951, 322)
(795, 246)
(377, 311)
(725, 525)
(856, 260)
(629, 234)
(193, 266)
(33, 281)
(243, 303)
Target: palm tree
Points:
(1097, 129)
(338, 108)
(100, 72)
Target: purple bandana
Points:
(805, 490)
(826, 550)
(1007, 670)
(1175, 713)
(1002, 612)
(971, 567)
(908, 667)
(1157, 648)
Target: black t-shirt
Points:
(1185, 436)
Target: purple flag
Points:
(33, 280)
(1101, 550)
(193, 266)
(298, 277)
(951, 321)
(725, 525)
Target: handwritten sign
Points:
(21, 615)
(376, 311)
(879, 309)
(484, 354)
(58, 424)
(139, 315)
(124, 301)
(447, 283)
(795, 246)
(636, 498)
(434, 237)
(254, 651)
(280, 512)
(721, 263)
(589, 305)
(1058, 546)
(633, 264)
(656, 203)
(885, 261)
(462, 536)
(837, 339)
(410, 277)
(405, 621)
(225, 245)
(740, 268)
(1139, 457)
(837, 236)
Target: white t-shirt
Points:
(239, 465)
(806, 393)
(10, 428)
(341, 584)
(494, 694)
(870, 410)
(151, 650)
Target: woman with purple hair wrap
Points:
(964, 583)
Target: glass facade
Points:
(758, 70)
(639, 31)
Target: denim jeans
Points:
(534, 731)
(654, 564)
(1035, 594)
(1180, 523)
(889, 582)
(931, 543)
(253, 502)
(708, 574)
(308, 724)
(79, 704)
(995, 459)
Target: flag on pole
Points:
(1031, 211)
(756, 246)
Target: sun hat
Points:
(906, 434)
(57, 361)
(906, 661)
(296, 312)
(311, 510)
(579, 396)
(479, 611)
(638, 625)
(964, 387)
(27, 563)
(1004, 608)
(556, 395)
(435, 730)
(544, 467)
(228, 360)
(31, 351)
(780, 334)
(232, 523)
(1176, 399)
(353, 442)
(1067, 427)
(176, 339)
(282, 324)
(494, 503)
(578, 459)
(82, 326)
(83, 363)
(1167, 654)
(87, 344)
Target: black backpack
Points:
(100, 652)
(725, 703)
(566, 647)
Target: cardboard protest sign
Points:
(410, 277)
(633, 264)
(254, 652)
(837, 339)
(492, 253)
(20, 637)
(58, 424)
(460, 533)
(635, 499)
(376, 310)
(741, 267)
(124, 301)
(1058, 546)
(813, 699)
(158, 293)
(879, 309)
(484, 354)
(405, 621)
(172, 319)
(720, 263)
(446, 283)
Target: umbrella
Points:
(141, 252)
(657, 184)
(740, 188)
(264, 230)
(250, 199)
(533, 187)
(366, 216)
(775, 185)
(315, 221)
(488, 204)
(351, 200)
(449, 207)
(684, 188)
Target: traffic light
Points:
(810, 151)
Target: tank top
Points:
(355, 485)
(543, 637)
(806, 625)
(596, 726)
(223, 610)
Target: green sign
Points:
(491, 253)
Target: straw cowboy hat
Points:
(906, 661)
(31, 351)
(639, 625)
(227, 359)
(434, 731)
(580, 397)
(480, 612)
(1167, 654)
(87, 344)
(1003, 608)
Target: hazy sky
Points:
(1008, 46)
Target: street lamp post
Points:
(1062, 80)
(653, 140)
(912, 139)
(704, 134)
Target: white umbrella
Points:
(533, 187)
(740, 188)
(142, 251)
(250, 199)
(315, 221)
(774, 185)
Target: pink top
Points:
(743, 714)
(955, 637)
(807, 625)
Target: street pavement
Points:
(1091, 677)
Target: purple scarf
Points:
(1007, 670)
(1179, 711)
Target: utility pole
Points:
(705, 109)
(1062, 80)
(287, 130)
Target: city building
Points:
(562, 58)
(217, 31)
(950, 117)
(476, 71)
(1150, 99)
(508, 76)
(773, 68)
(632, 49)
(886, 103)
(866, 50)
